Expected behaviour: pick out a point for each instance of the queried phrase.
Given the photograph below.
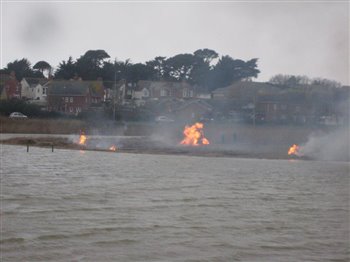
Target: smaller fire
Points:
(294, 150)
(113, 148)
(194, 135)
(82, 139)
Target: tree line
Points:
(292, 81)
(203, 68)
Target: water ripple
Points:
(69, 206)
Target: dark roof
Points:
(199, 102)
(36, 81)
(161, 84)
(247, 88)
(76, 87)
(68, 88)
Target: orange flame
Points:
(113, 148)
(294, 150)
(194, 135)
(82, 139)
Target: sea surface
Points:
(71, 205)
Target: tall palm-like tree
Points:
(43, 66)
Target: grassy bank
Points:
(141, 145)
(217, 133)
(226, 139)
(41, 126)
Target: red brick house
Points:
(282, 107)
(280, 111)
(163, 89)
(9, 86)
(74, 96)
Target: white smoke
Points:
(333, 146)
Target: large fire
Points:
(82, 139)
(194, 135)
(294, 150)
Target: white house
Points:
(141, 96)
(34, 90)
(27, 91)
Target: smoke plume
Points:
(333, 146)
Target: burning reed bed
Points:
(146, 145)
(196, 139)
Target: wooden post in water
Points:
(27, 148)
(52, 147)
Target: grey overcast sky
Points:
(289, 37)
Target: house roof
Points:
(247, 88)
(68, 88)
(36, 81)
(72, 87)
(286, 96)
(161, 84)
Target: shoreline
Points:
(143, 146)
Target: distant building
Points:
(244, 90)
(35, 90)
(192, 110)
(74, 96)
(280, 112)
(9, 86)
(162, 89)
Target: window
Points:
(71, 99)
(44, 91)
(187, 93)
(66, 99)
(184, 92)
(145, 93)
(163, 92)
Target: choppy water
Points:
(97, 206)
